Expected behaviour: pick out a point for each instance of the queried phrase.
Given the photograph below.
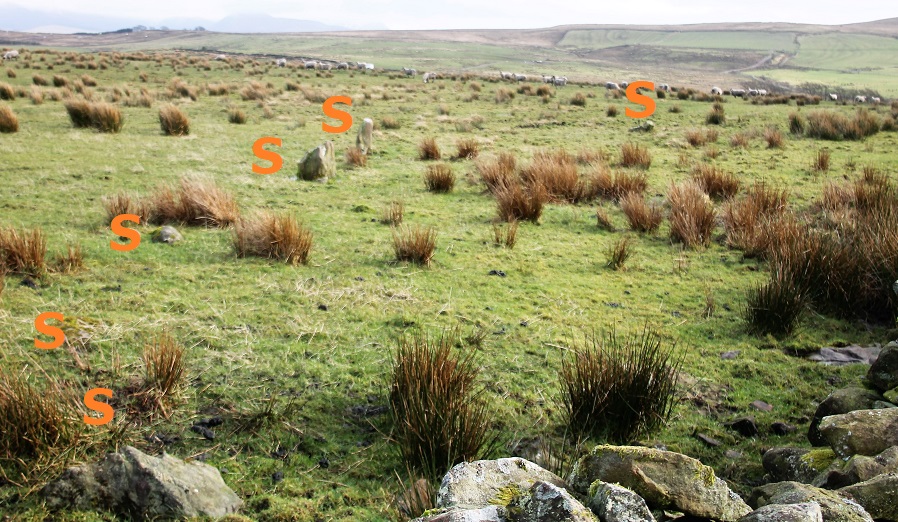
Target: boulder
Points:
(613, 503)
(804, 512)
(364, 137)
(879, 496)
(666, 480)
(476, 484)
(646, 126)
(319, 163)
(134, 484)
(549, 503)
(862, 432)
(797, 464)
(883, 373)
(838, 402)
(859, 468)
(834, 506)
(167, 234)
(485, 514)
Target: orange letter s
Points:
(96, 405)
(121, 230)
(41, 324)
(641, 99)
(276, 160)
(337, 114)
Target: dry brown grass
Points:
(747, 220)
(106, 117)
(619, 252)
(439, 178)
(10, 73)
(603, 220)
(123, 203)
(467, 148)
(716, 182)
(603, 184)
(9, 122)
(642, 216)
(39, 80)
(258, 91)
(740, 139)
(393, 213)
(499, 172)
(36, 94)
(516, 202)
(355, 157)
(692, 214)
(193, 201)
(635, 155)
(428, 149)
(7, 92)
(391, 123)
(236, 116)
(164, 375)
(72, 260)
(218, 89)
(504, 95)
(774, 138)
(23, 252)
(556, 172)
(414, 244)
(506, 236)
(79, 113)
(821, 161)
(173, 121)
(612, 111)
(590, 157)
(273, 236)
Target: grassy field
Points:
(301, 354)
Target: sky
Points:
(492, 14)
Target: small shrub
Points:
(774, 138)
(821, 161)
(796, 124)
(106, 117)
(173, 121)
(516, 202)
(619, 252)
(39, 80)
(775, 307)
(9, 122)
(355, 157)
(579, 99)
(692, 215)
(23, 252)
(393, 213)
(273, 236)
(389, 122)
(468, 148)
(428, 149)
(643, 217)
(619, 389)
(236, 115)
(634, 155)
(498, 173)
(506, 236)
(716, 116)
(427, 376)
(194, 202)
(79, 112)
(415, 245)
(7, 92)
(717, 183)
(439, 178)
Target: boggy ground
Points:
(295, 359)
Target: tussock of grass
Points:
(9, 122)
(164, 375)
(635, 155)
(821, 161)
(619, 252)
(498, 173)
(439, 178)
(236, 115)
(467, 148)
(428, 149)
(642, 216)
(355, 157)
(193, 201)
(393, 213)
(746, 220)
(414, 244)
(173, 121)
(23, 252)
(72, 260)
(516, 202)
(506, 236)
(692, 214)
(273, 236)
(556, 172)
(716, 182)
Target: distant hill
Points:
(256, 23)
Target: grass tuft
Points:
(619, 252)
(634, 155)
(173, 121)
(9, 122)
(273, 236)
(692, 215)
(428, 149)
(23, 252)
(414, 244)
(642, 216)
(439, 178)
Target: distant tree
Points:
(163, 28)
(140, 28)
(199, 28)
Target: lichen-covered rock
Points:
(859, 468)
(665, 479)
(862, 432)
(141, 486)
(892, 395)
(549, 503)
(834, 506)
(883, 373)
(484, 514)
(364, 138)
(318, 164)
(804, 512)
(879, 496)
(838, 402)
(479, 483)
(798, 464)
(167, 234)
(613, 503)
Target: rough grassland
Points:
(257, 331)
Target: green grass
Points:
(253, 329)
(742, 40)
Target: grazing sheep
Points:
(221, 57)
(623, 85)
(762, 92)
(323, 66)
(664, 87)
(11, 55)
(520, 77)
(363, 139)
(611, 86)
(737, 92)
(875, 99)
(409, 72)
(429, 77)
(833, 97)
(716, 91)
(369, 66)
(548, 79)
(753, 92)
(281, 62)
(310, 64)
(342, 65)
(506, 75)
(860, 99)
(559, 81)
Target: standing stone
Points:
(613, 503)
(319, 163)
(137, 485)
(363, 140)
(861, 432)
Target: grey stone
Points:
(859, 468)
(134, 484)
(883, 373)
(834, 506)
(879, 496)
(803, 512)
(484, 514)
(847, 355)
(549, 503)
(363, 140)
(665, 479)
(613, 503)
(796, 464)
(861, 432)
(838, 402)
(318, 164)
(168, 235)
(479, 483)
